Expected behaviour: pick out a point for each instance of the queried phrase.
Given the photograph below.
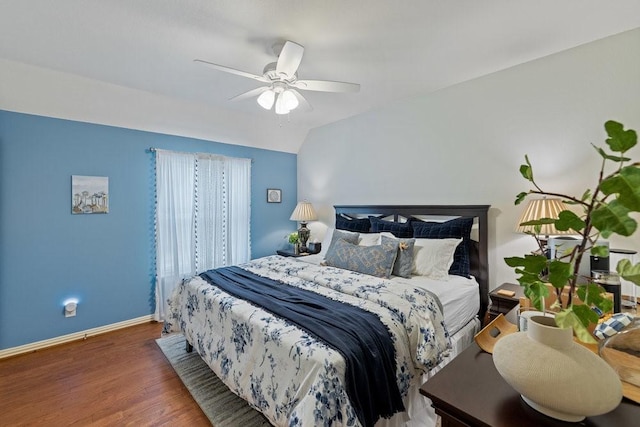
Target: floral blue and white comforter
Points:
(292, 378)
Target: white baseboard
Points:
(39, 345)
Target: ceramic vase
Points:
(555, 375)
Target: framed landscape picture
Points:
(89, 194)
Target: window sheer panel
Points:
(209, 219)
(175, 211)
(203, 216)
(239, 210)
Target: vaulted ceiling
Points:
(393, 49)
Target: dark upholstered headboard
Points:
(479, 253)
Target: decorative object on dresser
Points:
(554, 374)
(494, 331)
(303, 213)
(470, 392)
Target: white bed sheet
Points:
(460, 298)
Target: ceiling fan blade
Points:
(326, 86)
(250, 93)
(289, 59)
(232, 71)
(304, 104)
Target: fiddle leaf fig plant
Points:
(602, 211)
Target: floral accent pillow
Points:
(375, 260)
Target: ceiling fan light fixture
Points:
(289, 99)
(281, 78)
(281, 107)
(266, 98)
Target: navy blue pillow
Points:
(402, 230)
(359, 225)
(455, 228)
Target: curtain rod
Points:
(154, 149)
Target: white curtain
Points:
(203, 212)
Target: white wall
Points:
(40, 91)
(464, 144)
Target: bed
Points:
(294, 375)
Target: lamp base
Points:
(303, 236)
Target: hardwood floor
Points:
(118, 378)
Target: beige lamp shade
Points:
(304, 212)
(538, 209)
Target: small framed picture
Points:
(274, 195)
(89, 194)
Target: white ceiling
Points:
(394, 49)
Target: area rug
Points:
(219, 404)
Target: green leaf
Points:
(586, 195)
(606, 305)
(568, 220)
(531, 263)
(613, 218)
(609, 156)
(526, 172)
(620, 140)
(590, 293)
(626, 185)
(600, 251)
(628, 271)
(520, 197)
(559, 273)
(593, 294)
(541, 221)
(585, 314)
(536, 292)
(529, 268)
(569, 319)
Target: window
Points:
(203, 212)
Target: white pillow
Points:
(326, 241)
(433, 257)
(369, 239)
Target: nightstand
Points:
(501, 303)
(291, 254)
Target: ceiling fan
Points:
(282, 81)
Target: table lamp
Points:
(303, 213)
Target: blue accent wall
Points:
(104, 260)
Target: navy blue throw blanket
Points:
(358, 335)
